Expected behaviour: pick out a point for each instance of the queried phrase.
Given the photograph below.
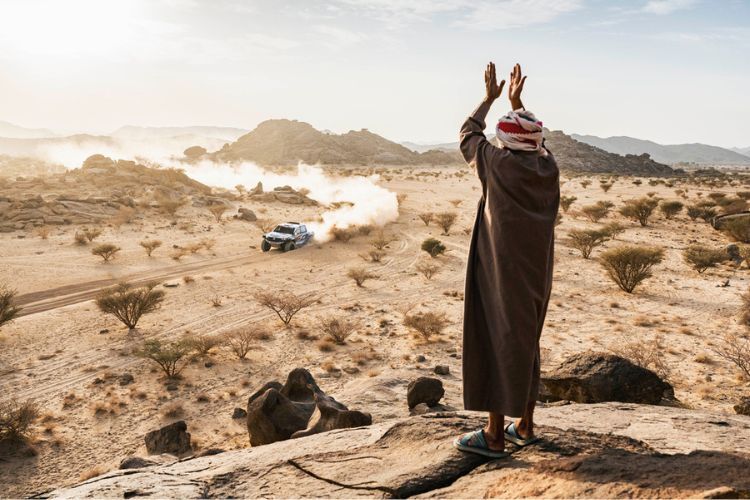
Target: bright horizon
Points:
(670, 71)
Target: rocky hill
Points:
(286, 142)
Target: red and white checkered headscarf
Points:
(520, 131)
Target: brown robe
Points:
(509, 274)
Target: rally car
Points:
(286, 236)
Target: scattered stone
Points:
(592, 377)
(104, 330)
(171, 387)
(442, 369)
(171, 284)
(125, 379)
(743, 407)
(421, 359)
(298, 408)
(136, 463)
(208, 364)
(239, 413)
(426, 390)
(172, 438)
(97, 381)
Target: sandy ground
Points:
(54, 355)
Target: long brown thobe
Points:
(509, 274)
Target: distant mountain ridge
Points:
(13, 131)
(137, 132)
(670, 154)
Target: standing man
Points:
(509, 274)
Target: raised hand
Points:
(490, 83)
(516, 87)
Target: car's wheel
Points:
(289, 245)
(265, 246)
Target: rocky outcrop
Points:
(415, 457)
(172, 438)
(281, 194)
(298, 408)
(591, 377)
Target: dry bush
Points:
(401, 198)
(193, 248)
(737, 229)
(427, 269)
(701, 211)
(8, 308)
(426, 217)
(91, 233)
(446, 220)
(360, 275)
(338, 329)
(613, 229)
(587, 239)
(381, 240)
(639, 210)
(217, 210)
(124, 215)
(373, 255)
(343, 234)
(585, 183)
(596, 212)
(426, 324)
(188, 279)
(128, 304)
(605, 186)
(670, 208)
(649, 355)
(242, 340)
(80, 238)
(216, 300)
(106, 251)
(201, 344)
(16, 419)
(265, 225)
(433, 246)
(170, 357)
(285, 304)
(43, 232)
(178, 253)
(735, 348)
(566, 202)
(363, 229)
(629, 265)
(700, 257)
(150, 246)
(169, 206)
(208, 243)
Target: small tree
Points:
(428, 269)
(381, 240)
(241, 340)
(446, 220)
(613, 229)
(586, 240)
(360, 275)
(595, 212)
(373, 255)
(701, 258)
(670, 208)
(217, 210)
(16, 419)
(566, 202)
(629, 265)
(150, 246)
(128, 304)
(92, 233)
(8, 308)
(106, 251)
(170, 206)
(169, 356)
(338, 328)
(284, 304)
(426, 217)
(202, 344)
(80, 238)
(426, 324)
(639, 210)
(433, 247)
(735, 348)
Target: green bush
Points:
(639, 210)
(433, 246)
(169, 356)
(670, 208)
(8, 308)
(701, 258)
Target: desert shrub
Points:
(649, 355)
(284, 304)
(613, 229)
(265, 225)
(373, 255)
(566, 202)
(737, 229)
(16, 419)
(208, 243)
(170, 357)
(80, 238)
(587, 239)
(216, 300)
(637, 182)
(433, 247)
(700, 257)
(170, 206)
(381, 240)
(694, 212)
(595, 212)
(360, 275)
(343, 234)
(629, 265)
(426, 217)
(178, 253)
(128, 303)
(217, 210)
(338, 329)
(363, 229)
(446, 220)
(426, 324)
(639, 210)
(201, 344)
(124, 215)
(91, 233)
(670, 208)
(187, 279)
(106, 251)
(43, 232)
(606, 186)
(735, 348)
(585, 183)
(427, 269)
(150, 246)
(241, 340)
(8, 308)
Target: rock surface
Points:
(743, 407)
(592, 377)
(172, 438)
(427, 390)
(298, 408)
(415, 457)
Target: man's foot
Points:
(495, 439)
(523, 429)
(512, 434)
(476, 442)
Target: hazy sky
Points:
(667, 70)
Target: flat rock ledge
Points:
(682, 453)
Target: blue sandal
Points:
(512, 435)
(474, 442)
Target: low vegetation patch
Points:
(639, 210)
(427, 324)
(128, 303)
(170, 357)
(106, 251)
(8, 308)
(338, 329)
(700, 257)
(433, 246)
(150, 245)
(629, 265)
(586, 240)
(284, 304)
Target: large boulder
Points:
(592, 377)
(172, 438)
(298, 408)
(246, 214)
(427, 390)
